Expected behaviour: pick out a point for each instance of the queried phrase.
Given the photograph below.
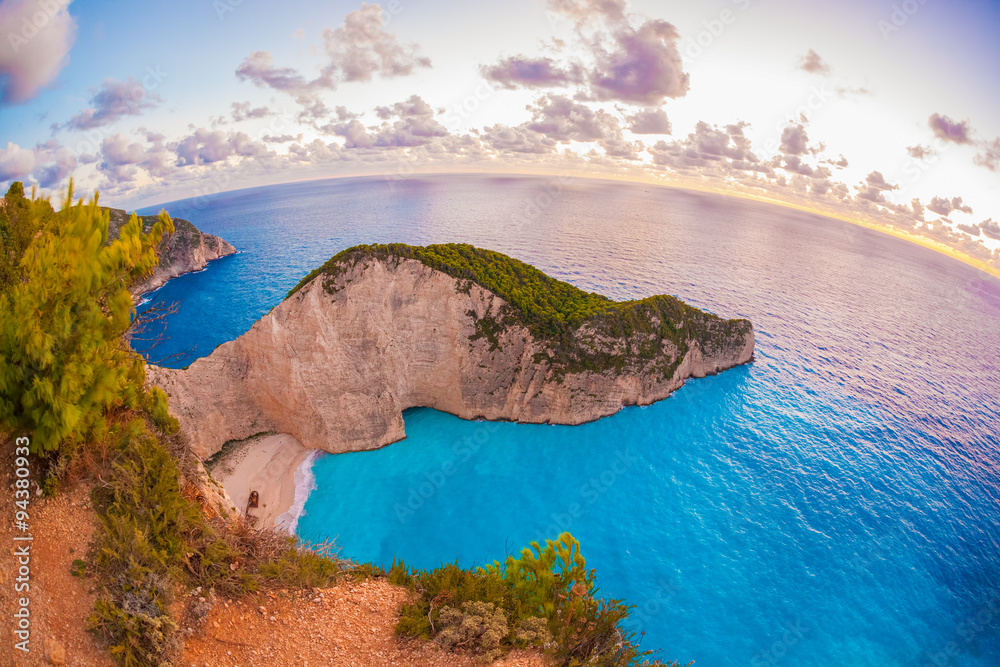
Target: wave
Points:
(305, 482)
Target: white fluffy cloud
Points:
(36, 39)
(47, 163)
(113, 101)
(204, 146)
(358, 50)
(636, 64)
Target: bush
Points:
(478, 626)
(545, 598)
(152, 537)
(64, 357)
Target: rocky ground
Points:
(349, 624)
(60, 602)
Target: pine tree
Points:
(20, 220)
(64, 357)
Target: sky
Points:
(880, 112)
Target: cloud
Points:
(518, 71)
(649, 121)
(948, 130)
(636, 65)
(643, 67)
(35, 44)
(990, 155)
(873, 187)
(990, 229)
(362, 47)
(414, 107)
(121, 158)
(504, 138)
(920, 152)
(243, 111)
(709, 149)
(111, 102)
(562, 119)
(794, 140)
(812, 63)
(409, 123)
(794, 164)
(971, 230)
(942, 206)
(356, 51)
(341, 116)
(259, 68)
(582, 11)
(876, 180)
(355, 134)
(405, 124)
(47, 163)
(204, 146)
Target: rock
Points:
(187, 249)
(337, 362)
(55, 652)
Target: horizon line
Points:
(890, 230)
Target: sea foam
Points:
(305, 483)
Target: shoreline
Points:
(276, 466)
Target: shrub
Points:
(478, 626)
(544, 598)
(64, 357)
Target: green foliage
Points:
(153, 536)
(566, 318)
(545, 581)
(399, 574)
(68, 376)
(478, 626)
(301, 567)
(64, 360)
(545, 598)
(138, 630)
(20, 219)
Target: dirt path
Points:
(60, 602)
(350, 624)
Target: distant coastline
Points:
(899, 233)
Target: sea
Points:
(835, 502)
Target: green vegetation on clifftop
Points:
(570, 321)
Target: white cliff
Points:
(337, 362)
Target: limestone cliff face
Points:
(187, 249)
(336, 364)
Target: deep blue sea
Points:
(837, 502)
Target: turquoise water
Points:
(835, 502)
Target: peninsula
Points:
(187, 249)
(381, 328)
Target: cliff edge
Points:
(472, 332)
(187, 249)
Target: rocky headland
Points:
(379, 329)
(187, 249)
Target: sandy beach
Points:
(267, 465)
